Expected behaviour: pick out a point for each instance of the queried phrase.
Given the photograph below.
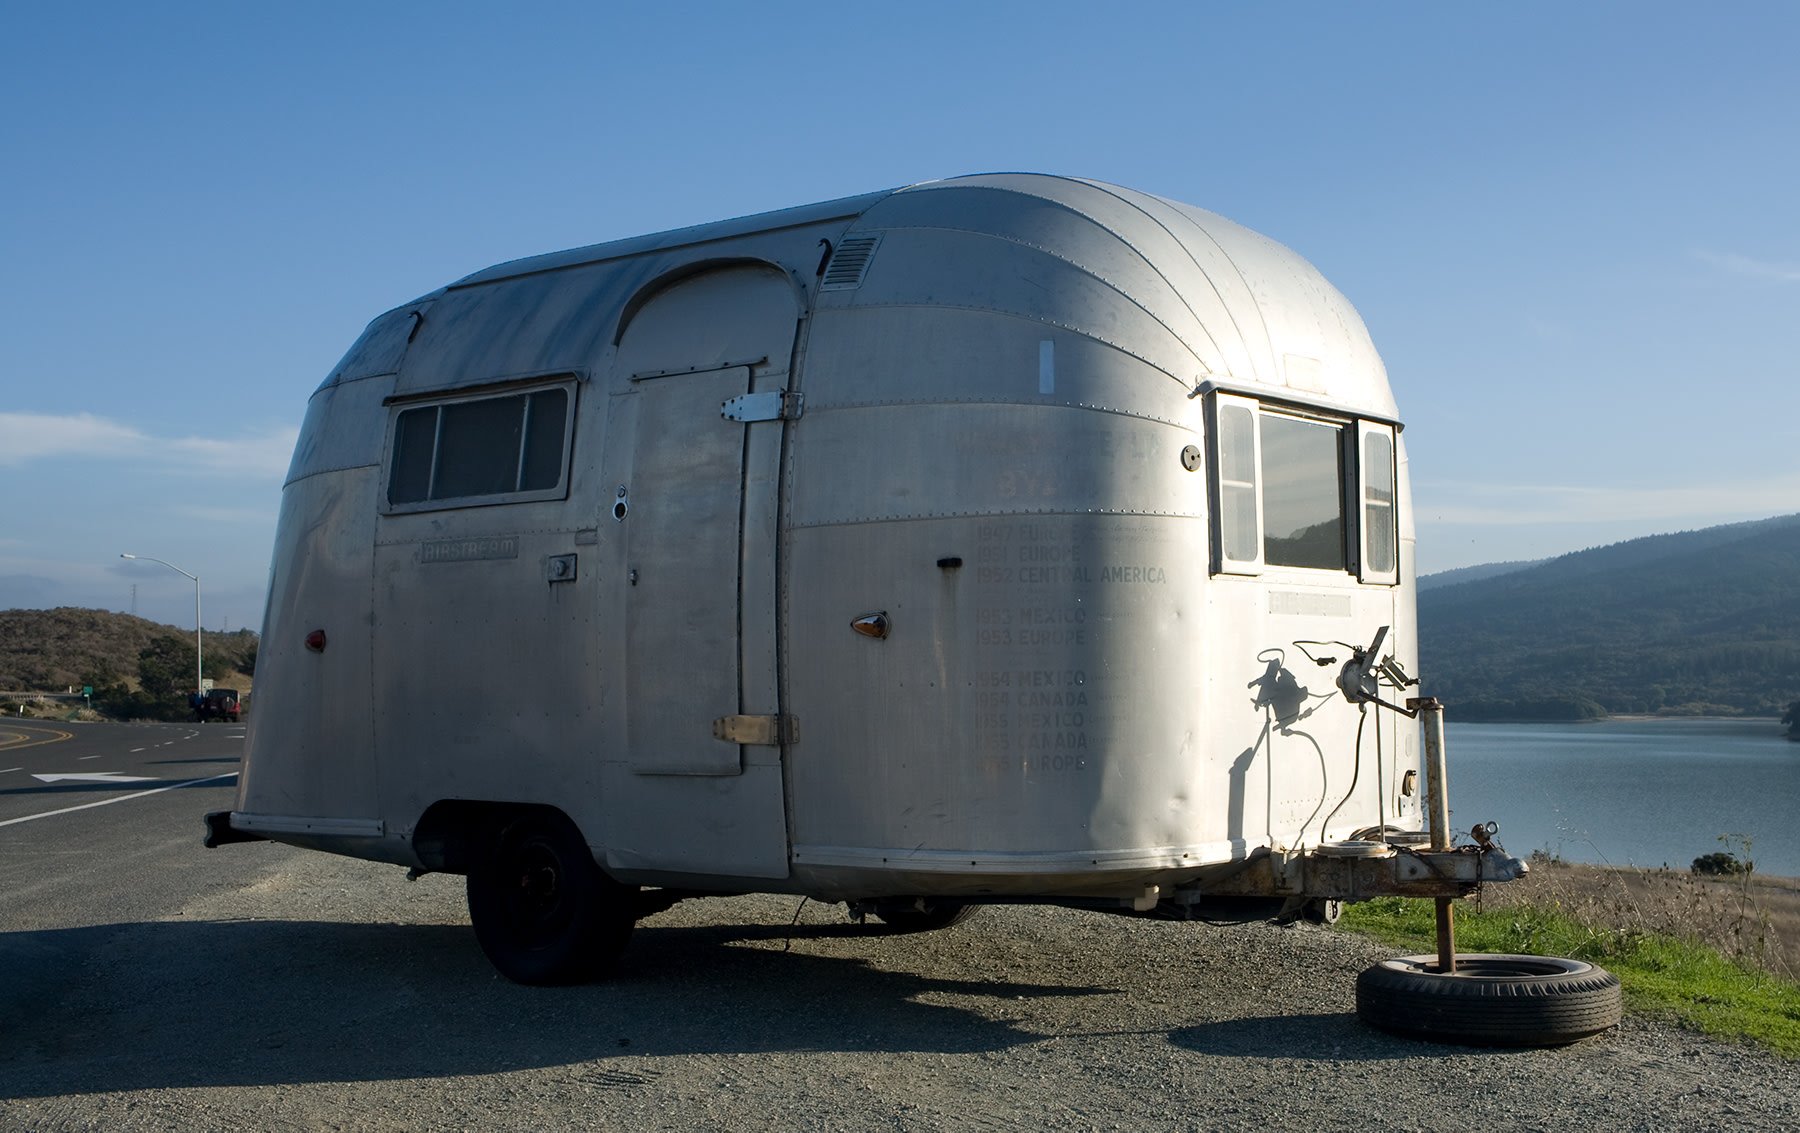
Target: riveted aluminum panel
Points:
(931, 461)
(912, 354)
(997, 276)
(344, 427)
(1154, 277)
(483, 670)
(382, 345)
(309, 746)
(1045, 696)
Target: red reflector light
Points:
(315, 641)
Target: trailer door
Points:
(699, 534)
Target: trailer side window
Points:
(480, 450)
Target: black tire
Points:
(927, 914)
(544, 912)
(1491, 999)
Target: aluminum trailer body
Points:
(999, 537)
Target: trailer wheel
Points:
(543, 910)
(924, 915)
(1322, 910)
(1490, 1000)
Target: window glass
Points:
(1303, 493)
(1237, 482)
(478, 448)
(492, 446)
(540, 466)
(415, 438)
(1378, 501)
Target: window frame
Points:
(1364, 571)
(1354, 477)
(399, 406)
(1217, 406)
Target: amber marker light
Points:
(872, 625)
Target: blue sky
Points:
(1571, 228)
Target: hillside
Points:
(1697, 622)
(137, 667)
(1460, 575)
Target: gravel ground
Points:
(332, 994)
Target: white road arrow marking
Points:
(97, 777)
(119, 799)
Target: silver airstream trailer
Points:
(1004, 538)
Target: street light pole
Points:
(197, 660)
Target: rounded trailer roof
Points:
(1200, 297)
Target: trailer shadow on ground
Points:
(1338, 1035)
(174, 1004)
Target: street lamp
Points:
(196, 579)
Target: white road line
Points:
(89, 757)
(135, 750)
(12, 769)
(94, 777)
(120, 799)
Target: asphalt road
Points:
(147, 983)
(102, 820)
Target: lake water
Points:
(1631, 792)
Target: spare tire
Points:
(1490, 1000)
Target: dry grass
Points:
(1751, 919)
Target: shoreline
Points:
(1628, 717)
(1758, 879)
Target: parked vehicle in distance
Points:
(219, 704)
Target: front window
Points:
(1302, 491)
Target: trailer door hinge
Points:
(776, 405)
(771, 730)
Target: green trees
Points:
(165, 673)
(164, 668)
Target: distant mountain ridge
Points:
(1701, 621)
(1459, 575)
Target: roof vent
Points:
(850, 263)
